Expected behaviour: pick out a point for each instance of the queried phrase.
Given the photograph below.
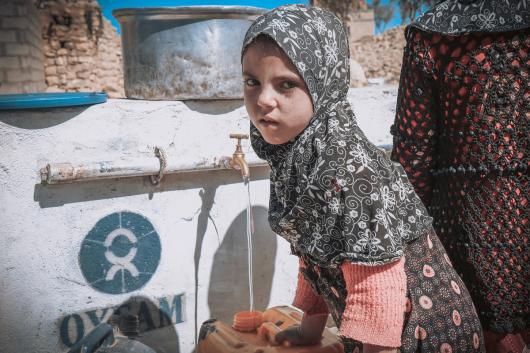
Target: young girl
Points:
(367, 250)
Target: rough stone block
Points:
(50, 70)
(82, 67)
(78, 12)
(52, 80)
(61, 30)
(83, 75)
(86, 59)
(83, 46)
(54, 89)
(106, 65)
(60, 61)
(75, 83)
(72, 60)
(55, 44)
(62, 69)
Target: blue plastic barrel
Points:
(50, 100)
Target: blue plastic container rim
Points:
(50, 100)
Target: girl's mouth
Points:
(268, 123)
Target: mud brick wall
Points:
(82, 49)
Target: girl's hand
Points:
(307, 333)
(295, 337)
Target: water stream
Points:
(250, 227)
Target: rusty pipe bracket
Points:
(161, 155)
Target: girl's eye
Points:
(288, 84)
(250, 82)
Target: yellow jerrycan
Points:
(217, 337)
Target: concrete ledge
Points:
(119, 136)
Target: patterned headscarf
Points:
(467, 16)
(334, 195)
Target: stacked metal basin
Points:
(181, 53)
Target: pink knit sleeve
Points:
(375, 305)
(306, 299)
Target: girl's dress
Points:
(366, 243)
(438, 313)
(462, 133)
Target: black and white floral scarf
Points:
(467, 16)
(334, 195)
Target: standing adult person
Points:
(462, 132)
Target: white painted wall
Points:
(43, 226)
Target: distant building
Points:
(82, 50)
(354, 13)
(21, 54)
(58, 46)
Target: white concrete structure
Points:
(73, 253)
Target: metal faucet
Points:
(238, 158)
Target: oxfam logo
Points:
(120, 254)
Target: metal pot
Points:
(189, 52)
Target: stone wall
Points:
(377, 56)
(381, 55)
(356, 15)
(82, 49)
(21, 57)
(360, 24)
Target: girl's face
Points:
(276, 97)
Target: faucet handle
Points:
(239, 149)
(239, 136)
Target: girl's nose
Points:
(267, 98)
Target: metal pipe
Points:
(60, 173)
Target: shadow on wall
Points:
(214, 107)
(228, 290)
(46, 117)
(207, 195)
(157, 329)
(59, 195)
(156, 322)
